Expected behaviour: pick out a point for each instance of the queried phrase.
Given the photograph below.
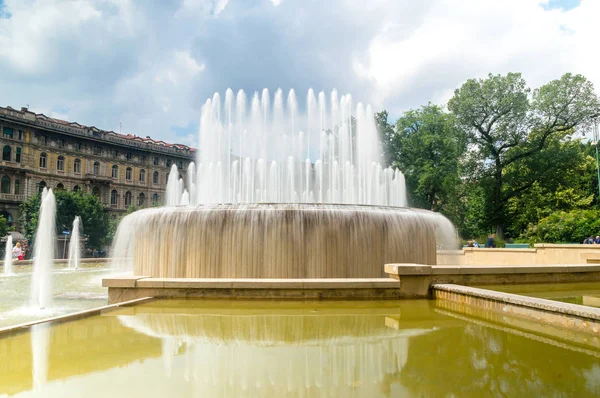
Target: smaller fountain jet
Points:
(74, 245)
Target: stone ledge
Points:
(121, 281)
(226, 283)
(576, 310)
(418, 269)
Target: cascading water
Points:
(8, 256)
(74, 244)
(45, 239)
(276, 193)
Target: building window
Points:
(17, 187)
(43, 160)
(18, 155)
(5, 184)
(61, 143)
(7, 132)
(143, 158)
(168, 162)
(97, 150)
(44, 140)
(77, 166)
(115, 153)
(129, 155)
(60, 186)
(141, 199)
(155, 177)
(96, 168)
(6, 153)
(60, 163)
(96, 191)
(41, 186)
(128, 174)
(156, 161)
(76, 188)
(142, 175)
(114, 197)
(79, 146)
(127, 199)
(115, 171)
(155, 199)
(20, 135)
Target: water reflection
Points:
(226, 349)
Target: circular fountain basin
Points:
(277, 240)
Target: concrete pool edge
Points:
(71, 316)
(416, 280)
(554, 313)
(132, 287)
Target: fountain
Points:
(74, 244)
(279, 194)
(41, 292)
(8, 256)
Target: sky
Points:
(146, 67)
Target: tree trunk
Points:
(497, 202)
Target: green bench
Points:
(517, 246)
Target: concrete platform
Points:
(129, 288)
(416, 279)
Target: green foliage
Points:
(507, 124)
(428, 152)
(94, 217)
(566, 227)
(3, 226)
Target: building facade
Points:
(123, 170)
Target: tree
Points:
(3, 226)
(94, 217)
(558, 178)
(427, 150)
(506, 123)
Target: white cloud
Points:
(151, 65)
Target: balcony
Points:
(98, 178)
(11, 197)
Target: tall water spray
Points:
(74, 244)
(270, 152)
(8, 256)
(45, 239)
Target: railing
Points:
(10, 196)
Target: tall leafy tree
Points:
(94, 217)
(427, 149)
(506, 123)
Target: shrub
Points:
(565, 227)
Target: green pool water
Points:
(576, 293)
(216, 348)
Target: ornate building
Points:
(123, 170)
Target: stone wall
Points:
(542, 253)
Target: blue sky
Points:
(150, 65)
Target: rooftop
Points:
(91, 131)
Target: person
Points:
(491, 241)
(471, 243)
(475, 244)
(588, 241)
(18, 252)
(597, 240)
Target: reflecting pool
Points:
(575, 293)
(216, 348)
(73, 290)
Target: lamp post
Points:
(595, 127)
